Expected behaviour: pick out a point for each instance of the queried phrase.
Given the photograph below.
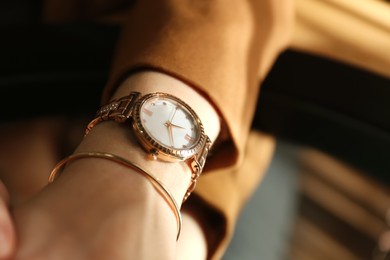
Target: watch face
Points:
(167, 124)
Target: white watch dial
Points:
(169, 123)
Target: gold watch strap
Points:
(121, 110)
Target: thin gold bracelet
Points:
(112, 157)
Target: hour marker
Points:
(188, 138)
(148, 112)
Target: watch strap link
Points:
(197, 164)
(118, 109)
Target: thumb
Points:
(7, 232)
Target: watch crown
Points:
(153, 154)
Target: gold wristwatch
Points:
(166, 127)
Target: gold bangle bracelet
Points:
(168, 197)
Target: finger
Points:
(7, 232)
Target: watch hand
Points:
(171, 135)
(173, 114)
(177, 126)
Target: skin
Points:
(60, 220)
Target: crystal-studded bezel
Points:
(155, 147)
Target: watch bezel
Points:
(153, 146)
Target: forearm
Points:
(120, 201)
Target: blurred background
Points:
(311, 205)
(326, 194)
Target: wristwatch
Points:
(166, 127)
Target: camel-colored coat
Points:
(225, 48)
